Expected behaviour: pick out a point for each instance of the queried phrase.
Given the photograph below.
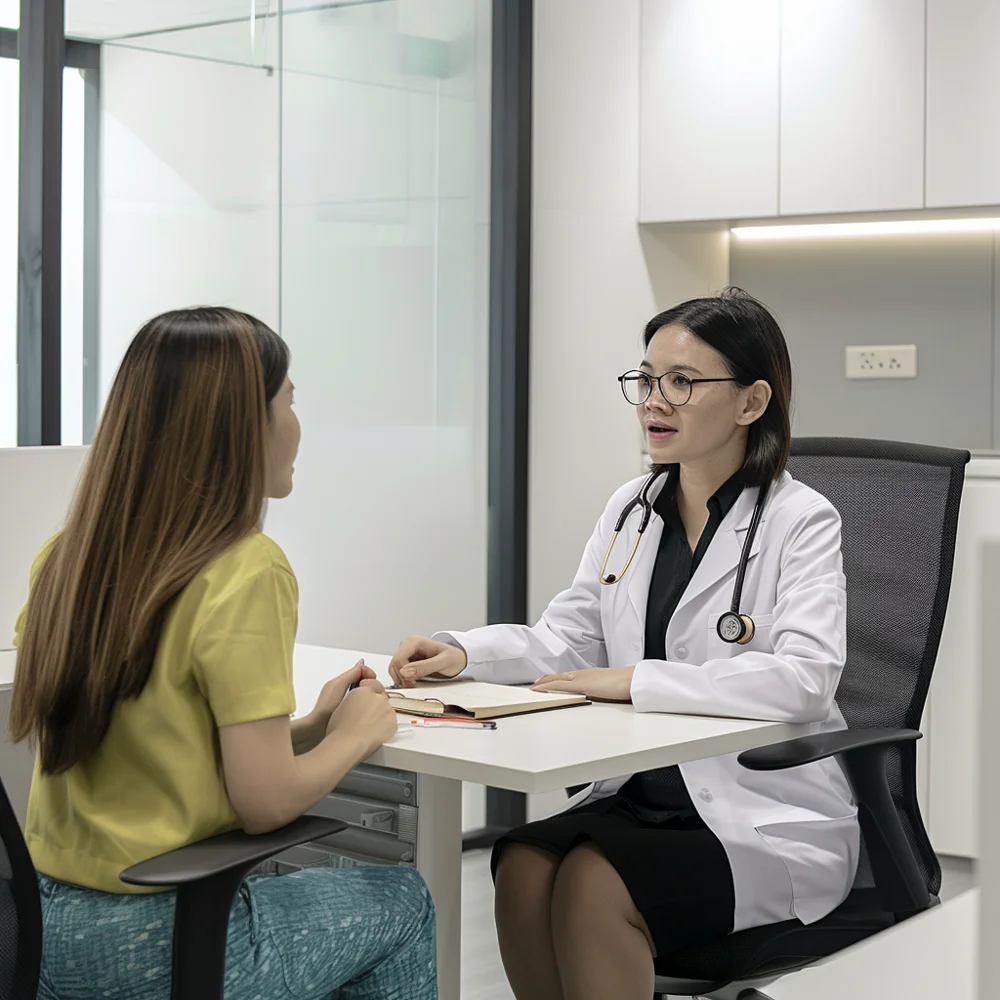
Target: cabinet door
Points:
(963, 102)
(852, 114)
(708, 109)
(955, 688)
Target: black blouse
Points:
(662, 790)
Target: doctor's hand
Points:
(419, 657)
(598, 683)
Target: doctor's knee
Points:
(523, 872)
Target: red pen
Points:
(453, 723)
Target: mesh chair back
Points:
(899, 506)
(20, 912)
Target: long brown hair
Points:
(175, 476)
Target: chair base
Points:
(745, 990)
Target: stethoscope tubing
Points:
(641, 499)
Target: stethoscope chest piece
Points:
(733, 627)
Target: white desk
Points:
(531, 753)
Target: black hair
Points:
(750, 341)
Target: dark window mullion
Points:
(41, 50)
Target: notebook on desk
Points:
(478, 700)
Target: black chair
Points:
(207, 875)
(899, 504)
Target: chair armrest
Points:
(207, 876)
(808, 749)
(863, 753)
(226, 852)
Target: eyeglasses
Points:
(675, 387)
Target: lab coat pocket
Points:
(718, 648)
(820, 856)
(761, 634)
(778, 895)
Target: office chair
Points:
(207, 875)
(899, 505)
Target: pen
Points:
(453, 724)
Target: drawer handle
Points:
(379, 820)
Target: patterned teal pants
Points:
(354, 934)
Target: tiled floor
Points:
(482, 973)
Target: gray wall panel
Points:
(933, 291)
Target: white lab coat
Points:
(792, 837)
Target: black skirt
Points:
(676, 870)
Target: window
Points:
(9, 95)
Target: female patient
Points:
(648, 864)
(155, 677)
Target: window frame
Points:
(43, 51)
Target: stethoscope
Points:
(732, 626)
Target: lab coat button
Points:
(705, 795)
(682, 652)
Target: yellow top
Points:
(156, 782)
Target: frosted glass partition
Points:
(325, 166)
(385, 163)
(71, 309)
(189, 190)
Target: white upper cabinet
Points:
(760, 108)
(963, 102)
(852, 105)
(709, 109)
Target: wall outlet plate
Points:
(886, 361)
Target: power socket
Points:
(892, 361)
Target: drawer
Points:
(398, 819)
(301, 858)
(384, 784)
(364, 843)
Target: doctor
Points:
(644, 865)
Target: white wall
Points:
(71, 307)
(597, 276)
